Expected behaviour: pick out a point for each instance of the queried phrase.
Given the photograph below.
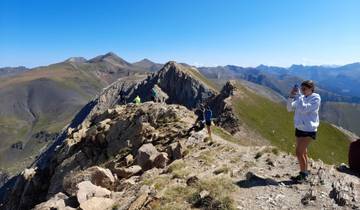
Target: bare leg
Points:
(306, 159)
(301, 152)
(209, 131)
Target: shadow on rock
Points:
(253, 180)
(345, 169)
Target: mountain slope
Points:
(11, 71)
(275, 124)
(281, 80)
(345, 115)
(36, 104)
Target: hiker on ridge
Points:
(154, 95)
(208, 116)
(306, 105)
(200, 117)
(137, 100)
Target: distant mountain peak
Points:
(76, 59)
(110, 57)
(296, 66)
(262, 66)
(146, 60)
(110, 54)
(171, 64)
(148, 65)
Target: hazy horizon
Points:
(133, 61)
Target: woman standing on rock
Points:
(306, 105)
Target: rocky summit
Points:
(147, 157)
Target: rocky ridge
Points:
(144, 157)
(148, 156)
(174, 83)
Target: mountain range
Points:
(119, 155)
(36, 103)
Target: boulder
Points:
(56, 202)
(176, 150)
(87, 190)
(96, 175)
(123, 172)
(161, 160)
(96, 203)
(146, 156)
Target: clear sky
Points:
(198, 32)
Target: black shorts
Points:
(300, 133)
(208, 123)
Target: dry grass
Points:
(178, 169)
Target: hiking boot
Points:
(301, 178)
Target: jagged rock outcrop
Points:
(174, 83)
(177, 84)
(223, 109)
(143, 131)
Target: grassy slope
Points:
(12, 129)
(196, 74)
(343, 114)
(274, 123)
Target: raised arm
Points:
(290, 104)
(310, 106)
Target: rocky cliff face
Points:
(181, 84)
(223, 109)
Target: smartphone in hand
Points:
(295, 90)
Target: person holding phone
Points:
(306, 104)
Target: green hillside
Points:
(346, 115)
(274, 123)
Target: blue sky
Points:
(199, 32)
